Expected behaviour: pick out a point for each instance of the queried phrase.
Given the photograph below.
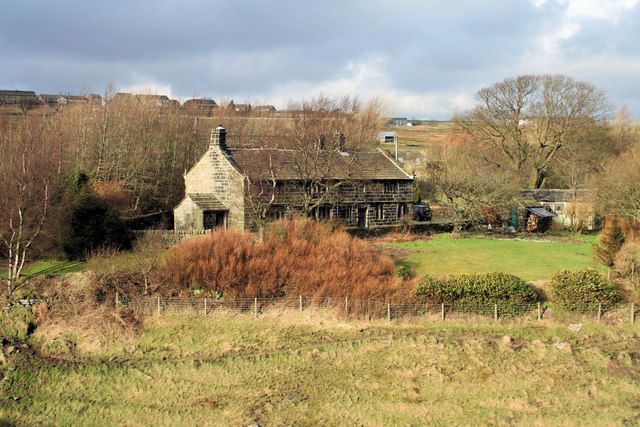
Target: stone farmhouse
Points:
(237, 188)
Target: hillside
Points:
(313, 368)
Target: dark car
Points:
(421, 213)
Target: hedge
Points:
(478, 293)
(582, 290)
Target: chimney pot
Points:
(218, 138)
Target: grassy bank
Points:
(305, 369)
(531, 259)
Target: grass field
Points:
(49, 267)
(531, 259)
(305, 370)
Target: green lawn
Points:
(303, 370)
(530, 259)
(50, 268)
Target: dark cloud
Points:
(257, 49)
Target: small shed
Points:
(387, 137)
(538, 220)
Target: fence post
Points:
(158, 306)
(346, 306)
(300, 303)
(495, 311)
(117, 300)
(388, 312)
(633, 312)
(255, 307)
(442, 312)
(205, 306)
(539, 311)
(599, 311)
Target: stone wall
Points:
(187, 216)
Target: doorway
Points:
(214, 219)
(362, 217)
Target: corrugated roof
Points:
(541, 212)
(291, 164)
(207, 202)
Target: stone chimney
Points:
(218, 139)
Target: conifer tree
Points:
(610, 241)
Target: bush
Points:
(92, 225)
(609, 243)
(16, 324)
(295, 257)
(404, 271)
(627, 261)
(582, 290)
(477, 293)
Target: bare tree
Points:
(530, 118)
(327, 134)
(31, 157)
(470, 188)
(617, 190)
(147, 250)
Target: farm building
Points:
(569, 207)
(201, 106)
(387, 137)
(19, 98)
(236, 187)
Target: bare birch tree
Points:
(31, 157)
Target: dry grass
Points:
(294, 369)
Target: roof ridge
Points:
(381, 151)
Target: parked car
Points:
(421, 213)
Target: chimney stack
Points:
(218, 138)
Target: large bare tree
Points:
(529, 119)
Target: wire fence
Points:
(372, 309)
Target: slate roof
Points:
(554, 194)
(292, 164)
(207, 202)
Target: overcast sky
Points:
(426, 59)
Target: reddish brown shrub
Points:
(296, 257)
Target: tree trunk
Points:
(539, 177)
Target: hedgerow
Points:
(582, 290)
(478, 293)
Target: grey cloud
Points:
(246, 47)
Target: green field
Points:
(308, 370)
(531, 259)
(49, 268)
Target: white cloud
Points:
(547, 47)
(369, 80)
(147, 86)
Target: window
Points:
(275, 212)
(380, 211)
(402, 210)
(343, 212)
(390, 187)
(323, 212)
